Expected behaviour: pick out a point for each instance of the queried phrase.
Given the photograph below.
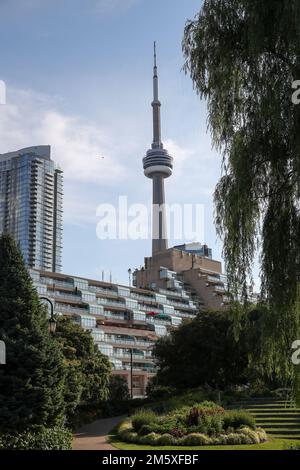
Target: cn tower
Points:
(158, 165)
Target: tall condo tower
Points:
(158, 165)
(31, 191)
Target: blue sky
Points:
(79, 77)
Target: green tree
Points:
(205, 351)
(243, 56)
(202, 351)
(32, 381)
(88, 370)
(118, 388)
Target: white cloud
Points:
(78, 212)
(180, 154)
(85, 152)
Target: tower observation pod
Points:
(158, 165)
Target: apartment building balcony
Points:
(149, 309)
(123, 343)
(115, 316)
(111, 303)
(127, 357)
(143, 297)
(158, 321)
(63, 296)
(66, 308)
(136, 368)
(220, 289)
(184, 314)
(102, 290)
(56, 282)
(213, 279)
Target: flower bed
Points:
(202, 424)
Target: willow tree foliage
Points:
(243, 57)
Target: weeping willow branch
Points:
(243, 56)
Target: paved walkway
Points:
(93, 436)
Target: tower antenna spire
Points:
(156, 107)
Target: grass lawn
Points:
(272, 444)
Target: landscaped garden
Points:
(203, 424)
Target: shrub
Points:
(143, 417)
(250, 434)
(124, 427)
(200, 411)
(166, 440)
(233, 439)
(208, 404)
(118, 388)
(246, 439)
(159, 392)
(262, 434)
(150, 440)
(40, 439)
(147, 429)
(206, 420)
(129, 436)
(219, 440)
(196, 439)
(236, 419)
(178, 432)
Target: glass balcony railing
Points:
(63, 295)
(53, 282)
(115, 316)
(69, 309)
(158, 321)
(128, 342)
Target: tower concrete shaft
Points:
(158, 165)
(159, 223)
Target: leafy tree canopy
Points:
(118, 388)
(203, 351)
(88, 370)
(243, 56)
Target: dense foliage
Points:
(32, 381)
(202, 351)
(118, 388)
(87, 370)
(201, 424)
(243, 56)
(48, 379)
(39, 439)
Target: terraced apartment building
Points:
(189, 267)
(124, 321)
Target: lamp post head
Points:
(52, 325)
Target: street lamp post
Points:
(131, 373)
(52, 321)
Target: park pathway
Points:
(93, 436)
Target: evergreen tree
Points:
(32, 381)
(118, 388)
(88, 370)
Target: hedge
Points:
(41, 439)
